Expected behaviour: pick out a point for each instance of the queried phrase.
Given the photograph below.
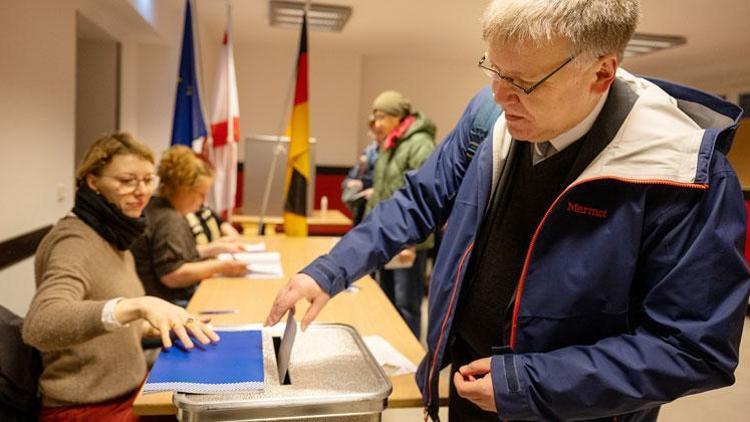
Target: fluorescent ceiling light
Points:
(648, 43)
(325, 17)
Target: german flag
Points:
(298, 161)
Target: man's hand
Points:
(354, 184)
(407, 256)
(299, 286)
(474, 383)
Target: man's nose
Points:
(504, 94)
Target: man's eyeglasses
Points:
(126, 184)
(497, 76)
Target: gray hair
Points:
(593, 27)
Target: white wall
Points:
(439, 88)
(263, 77)
(37, 82)
(37, 115)
(156, 85)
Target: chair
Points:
(20, 368)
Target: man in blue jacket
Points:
(592, 263)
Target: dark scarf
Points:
(106, 219)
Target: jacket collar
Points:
(653, 131)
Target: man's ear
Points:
(605, 73)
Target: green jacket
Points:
(410, 152)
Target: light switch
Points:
(60, 192)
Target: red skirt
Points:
(116, 410)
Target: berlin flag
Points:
(225, 130)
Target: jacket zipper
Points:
(516, 301)
(444, 323)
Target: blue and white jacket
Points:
(634, 287)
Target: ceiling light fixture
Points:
(324, 17)
(648, 43)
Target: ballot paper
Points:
(259, 264)
(285, 349)
(390, 359)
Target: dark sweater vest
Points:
(513, 214)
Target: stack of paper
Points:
(233, 364)
(259, 264)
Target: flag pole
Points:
(279, 149)
(201, 80)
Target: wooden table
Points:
(328, 222)
(367, 309)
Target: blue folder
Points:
(235, 363)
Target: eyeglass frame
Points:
(495, 75)
(123, 187)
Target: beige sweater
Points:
(77, 271)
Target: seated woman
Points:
(89, 311)
(167, 258)
(209, 229)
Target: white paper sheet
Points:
(390, 359)
(259, 264)
(254, 247)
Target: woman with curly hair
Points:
(168, 261)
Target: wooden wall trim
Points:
(21, 247)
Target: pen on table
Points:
(218, 311)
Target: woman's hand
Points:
(164, 318)
(229, 232)
(233, 268)
(223, 245)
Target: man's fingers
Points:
(477, 367)
(466, 387)
(313, 310)
(285, 299)
(463, 387)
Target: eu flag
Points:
(188, 127)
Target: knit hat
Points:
(393, 103)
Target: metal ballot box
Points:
(332, 374)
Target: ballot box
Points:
(332, 377)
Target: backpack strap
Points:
(483, 121)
